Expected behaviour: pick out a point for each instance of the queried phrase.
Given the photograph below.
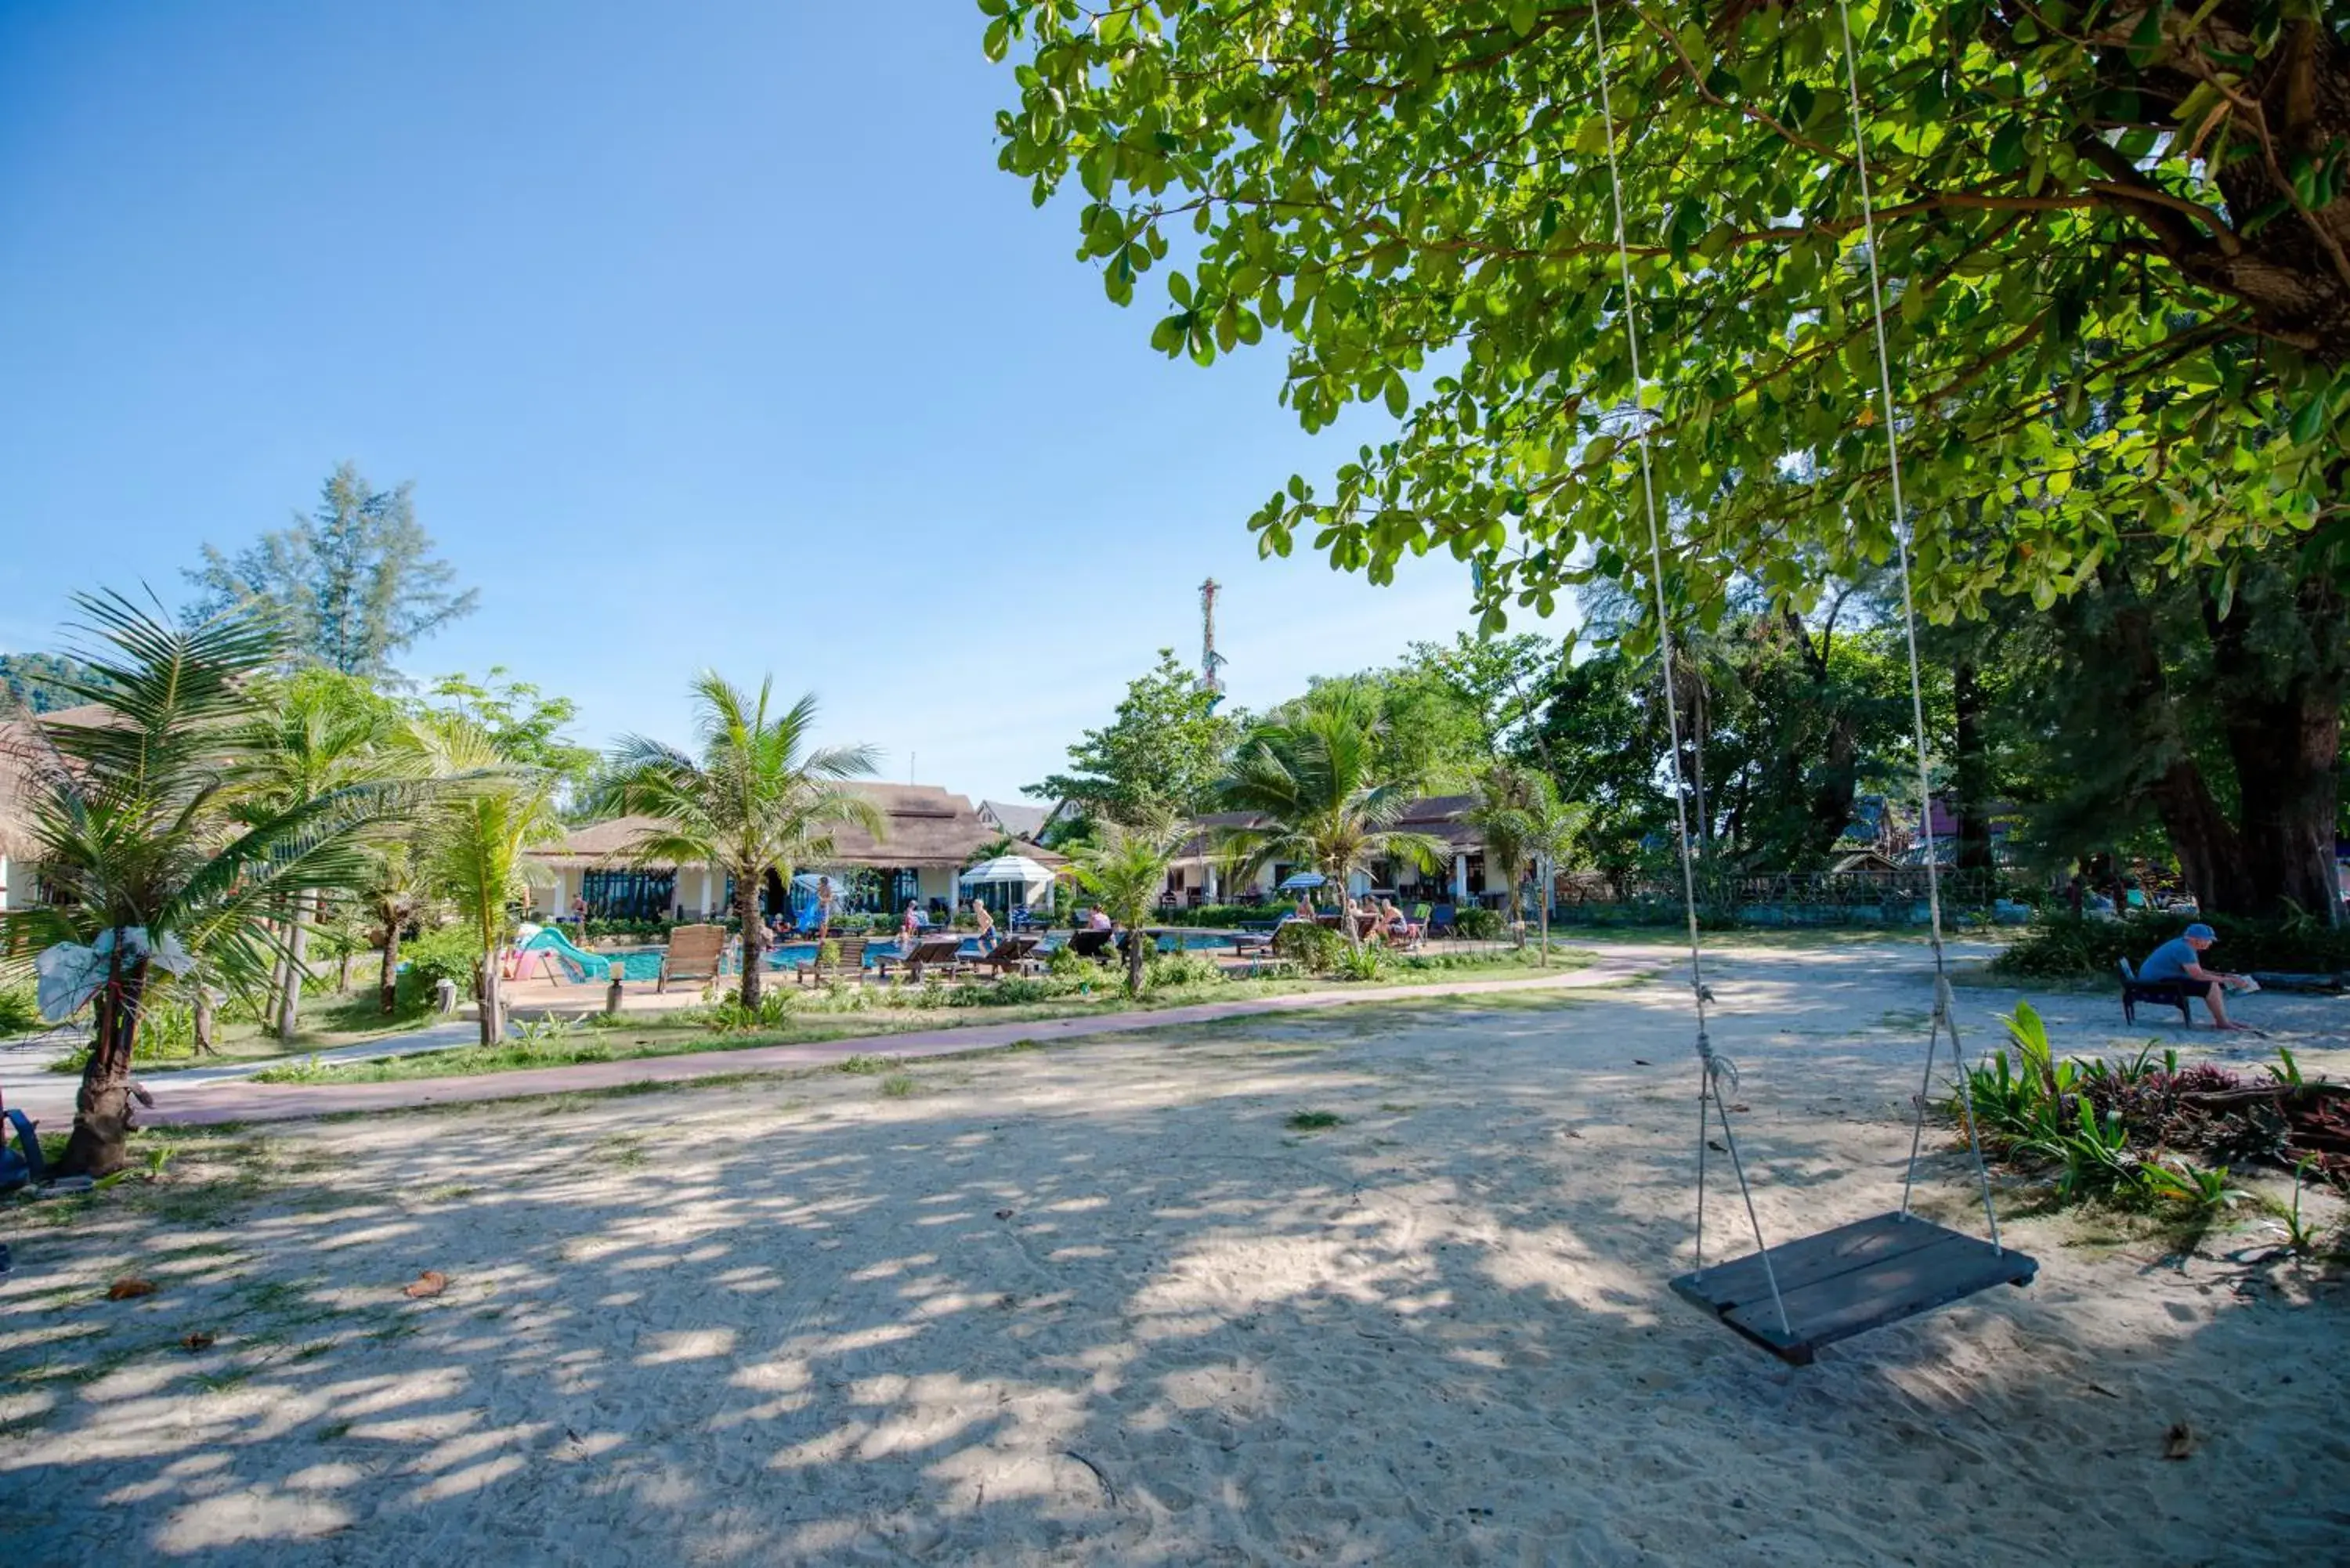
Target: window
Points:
(628, 895)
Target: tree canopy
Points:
(354, 585)
(2114, 235)
(1163, 751)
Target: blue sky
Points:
(711, 335)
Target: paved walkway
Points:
(182, 1099)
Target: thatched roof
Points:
(927, 826)
(20, 745)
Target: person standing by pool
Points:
(2179, 963)
(986, 926)
(823, 907)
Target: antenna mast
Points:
(1210, 660)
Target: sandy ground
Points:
(1103, 1305)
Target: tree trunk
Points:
(1972, 760)
(754, 933)
(343, 969)
(1541, 905)
(200, 1006)
(1136, 958)
(386, 985)
(493, 999)
(289, 999)
(2284, 733)
(102, 1131)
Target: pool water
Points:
(644, 963)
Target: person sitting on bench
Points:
(2179, 963)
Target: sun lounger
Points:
(694, 953)
(1009, 956)
(929, 953)
(849, 965)
(1092, 945)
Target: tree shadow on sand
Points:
(1061, 1318)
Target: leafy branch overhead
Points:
(2116, 237)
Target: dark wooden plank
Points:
(1885, 1292)
(1806, 1260)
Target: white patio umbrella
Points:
(1008, 869)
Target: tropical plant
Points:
(1314, 794)
(1554, 830)
(1125, 869)
(759, 798)
(143, 824)
(1316, 948)
(321, 732)
(394, 894)
(1498, 818)
(474, 846)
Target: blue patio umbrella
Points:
(1301, 881)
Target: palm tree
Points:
(476, 845)
(758, 799)
(321, 732)
(1551, 829)
(1311, 785)
(144, 833)
(1499, 818)
(393, 894)
(1124, 867)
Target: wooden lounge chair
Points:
(1253, 936)
(930, 952)
(1010, 956)
(695, 952)
(849, 965)
(1094, 945)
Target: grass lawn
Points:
(817, 1018)
(329, 1020)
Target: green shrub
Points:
(1478, 924)
(2089, 1121)
(452, 952)
(1169, 970)
(1067, 964)
(20, 1014)
(1313, 947)
(1362, 963)
(729, 1016)
(2062, 948)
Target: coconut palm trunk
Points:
(386, 985)
(755, 936)
(207, 1027)
(102, 1131)
(298, 967)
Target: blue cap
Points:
(2203, 933)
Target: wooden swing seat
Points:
(1850, 1279)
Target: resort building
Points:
(930, 836)
(20, 745)
(1200, 875)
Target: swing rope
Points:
(1943, 1021)
(1713, 1069)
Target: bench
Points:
(2159, 992)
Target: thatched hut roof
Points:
(20, 746)
(927, 826)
